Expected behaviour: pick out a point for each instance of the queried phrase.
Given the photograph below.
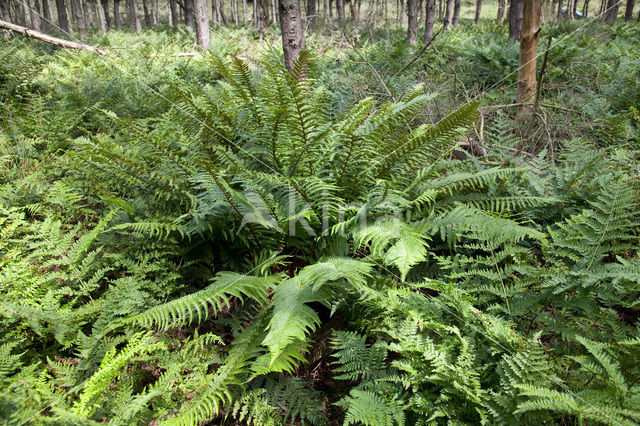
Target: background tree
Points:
(117, 17)
(502, 5)
(105, 9)
(311, 14)
(202, 23)
(188, 14)
(293, 41)
(628, 12)
(34, 10)
(135, 13)
(340, 10)
(455, 21)
(430, 19)
(63, 20)
(515, 19)
(448, 14)
(476, 17)
(526, 89)
(611, 13)
(78, 15)
(412, 21)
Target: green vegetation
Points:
(215, 238)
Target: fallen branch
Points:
(47, 38)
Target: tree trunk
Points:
(63, 20)
(34, 10)
(612, 10)
(47, 38)
(628, 12)
(147, 15)
(46, 11)
(293, 41)
(412, 25)
(116, 14)
(476, 18)
(429, 20)
(456, 13)
(559, 9)
(79, 15)
(102, 17)
(448, 14)
(188, 14)
(174, 13)
(105, 9)
(502, 5)
(585, 8)
(311, 15)
(340, 8)
(530, 34)
(136, 16)
(515, 19)
(202, 23)
(570, 16)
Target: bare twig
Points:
(424, 49)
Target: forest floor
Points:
(510, 292)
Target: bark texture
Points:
(515, 19)
(340, 8)
(202, 24)
(429, 20)
(188, 14)
(448, 14)
(311, 14)
(136, 16)
(47, 38)
(293, 41)
(455, 21)
(530, 34)
(79, 17)
(412, 21)
(628, 12)
(611, 13)
(502, 5)
(34, 9)
(116, 14)
(476, 18)
(63, 19)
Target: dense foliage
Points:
(214, 238)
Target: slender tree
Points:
(116, 14)
(79, 17)
(455, 21)
(293, 41)
(448, 14)
(526, 89)
(105, 9)
(611, 13)
(412, 21)
(135, 14)
(147, 14)
(340, 9)
(502, 5)
(429, 20)
(34, 10)
(202, 23)
(188, 14)
(311, 14)
(174, 12)
(628, 11)
(63, 20)
(515, 19)
(48, 14)
(476, 18)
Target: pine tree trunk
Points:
(340, 8)
(530, 34)
(448, 14)
(188, 14)
(147, 15)
(311, 15)
(515, 19)
(105, 9)
(612, 10)
(63, 20)
(34, 10)
(628, 12)
(174, 13)
(26, 13)
(429, 21)
(102, 17)
(136, 16)
(585, 8)
(502, 5)
(476, 18)
(456, 13)
(560, 9)
(412, 22)
(46, 10)
(202, 24)
(117, 18)
(79, 17)
(293, 41)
